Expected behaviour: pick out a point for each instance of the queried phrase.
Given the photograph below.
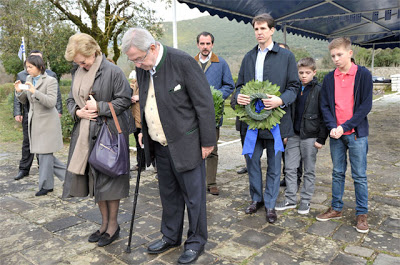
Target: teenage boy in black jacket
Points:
(310, 135)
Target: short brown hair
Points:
(265, 17)
(36, 61)
(83, 44)
(338, 42)
(307, 62)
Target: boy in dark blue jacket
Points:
(346, 100)
(310, 135)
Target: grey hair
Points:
(138, 38)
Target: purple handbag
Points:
(110, 153)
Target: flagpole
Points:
(174, 25)
(23, 52)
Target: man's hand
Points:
(243, 99)
(272, 102)
(135, 98)
(318, 145)
(336, 133)
(140, 140)
(285, 141)
(206, 150)
(18, 118)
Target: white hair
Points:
(138, 38)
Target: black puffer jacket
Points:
(312, 123)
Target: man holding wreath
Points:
(267, 62)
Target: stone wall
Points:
(385, 72)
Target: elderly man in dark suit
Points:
(21, 115)
(178, 126)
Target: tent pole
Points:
(284, 34)
(174, 27)
(373, 58)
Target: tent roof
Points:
(366, 22)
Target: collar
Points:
(214, 58)
(207, 59)
(268, 48)
(352, 71)
(159, 57)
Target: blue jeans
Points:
(358, 149)
(273, 173)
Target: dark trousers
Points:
(178, 189)
(27, 158)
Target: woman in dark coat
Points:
(95, 82)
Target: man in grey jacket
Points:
(21, 115)
(178, 129)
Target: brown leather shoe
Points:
(253, 207)
(213, 190)
(362, 224)
(329, 214)
(271, 215)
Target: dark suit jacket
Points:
(187, 114)
(280, 68)
(20, 109)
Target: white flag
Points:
(21, 49)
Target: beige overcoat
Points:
(44, 126)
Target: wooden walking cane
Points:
(128, 248)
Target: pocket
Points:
(311, 123)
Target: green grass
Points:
(10, 130)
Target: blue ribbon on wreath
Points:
(251, 135)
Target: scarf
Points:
(82, 85)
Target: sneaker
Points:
(280, 206)
(304, 208)
(329, 214)
(362, 225)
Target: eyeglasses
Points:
(140, 60)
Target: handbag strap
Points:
(114, 117)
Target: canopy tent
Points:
(368, 23)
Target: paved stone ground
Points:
(48, 230)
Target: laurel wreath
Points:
(266, 119)
(218, 104)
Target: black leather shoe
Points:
(106, 239)
(160, 246)
(271, 215)
(43, 192)
(190, 255)
(253, 207)
(21, 175)
(95, 237)
(243, 170)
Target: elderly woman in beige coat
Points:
(44, 126)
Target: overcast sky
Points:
(183, 12)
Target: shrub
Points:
(65, 82)
(320, 76)
(6, 89)
(67, 122)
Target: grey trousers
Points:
(300, 149)
(50, 166)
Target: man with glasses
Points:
(219, 76)
(178, 129)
